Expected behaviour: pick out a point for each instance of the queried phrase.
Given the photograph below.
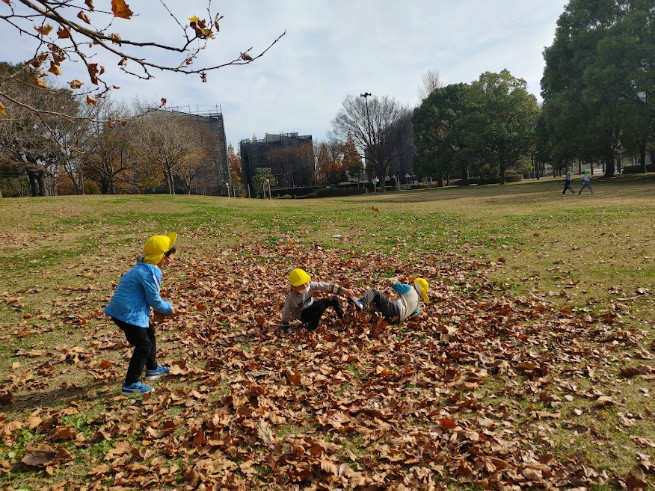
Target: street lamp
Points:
(268, 184)
(227, 184)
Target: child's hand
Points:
(347, 292)
(393, 280)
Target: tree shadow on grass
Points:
(59, 397)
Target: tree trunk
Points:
(440, 179)
(642, 156)
(465, 176)
(609, 163)
(34, 184)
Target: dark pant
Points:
(312, 314)
(567, 187)
(387, 308)
(145, 349)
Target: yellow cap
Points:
(156, 246)
(298, 277)
(423, 287)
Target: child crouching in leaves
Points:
(301, 306)
(396, 311)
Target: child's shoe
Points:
(160, 371)
(136, 388)
(286, 328)
(359, 306)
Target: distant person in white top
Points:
(586, 182)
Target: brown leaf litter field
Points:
(472, 391)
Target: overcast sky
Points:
(332, 48)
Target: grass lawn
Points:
(531, 366)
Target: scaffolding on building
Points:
(290, 169)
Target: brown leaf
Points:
(82, 16)
(447, 423)
(633, 482)
(264, 432)
(328, 466)
(45, 30)
(605, 401)
(121, 9)
(55, 69)
(37, 458)
(65, 433)
(246, 57)
(75, 84)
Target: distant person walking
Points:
(567, 184)
(586, 182)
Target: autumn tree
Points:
(352, 160)
(68, 32)
(172, 144)
(35, 141)
(329, 164)
(235, 179)
(377, 127)
(109, 157)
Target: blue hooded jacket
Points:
(137, 291)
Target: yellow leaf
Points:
(2, 109)
(121, 9)
(194, 19)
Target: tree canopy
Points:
(599, 81)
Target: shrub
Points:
(636, 169)
(346, 191)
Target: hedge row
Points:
(636, 169)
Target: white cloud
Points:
(334, 48)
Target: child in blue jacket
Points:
(129, 308)
(396, 311)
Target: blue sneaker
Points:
(136, 388)
(160, 371)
